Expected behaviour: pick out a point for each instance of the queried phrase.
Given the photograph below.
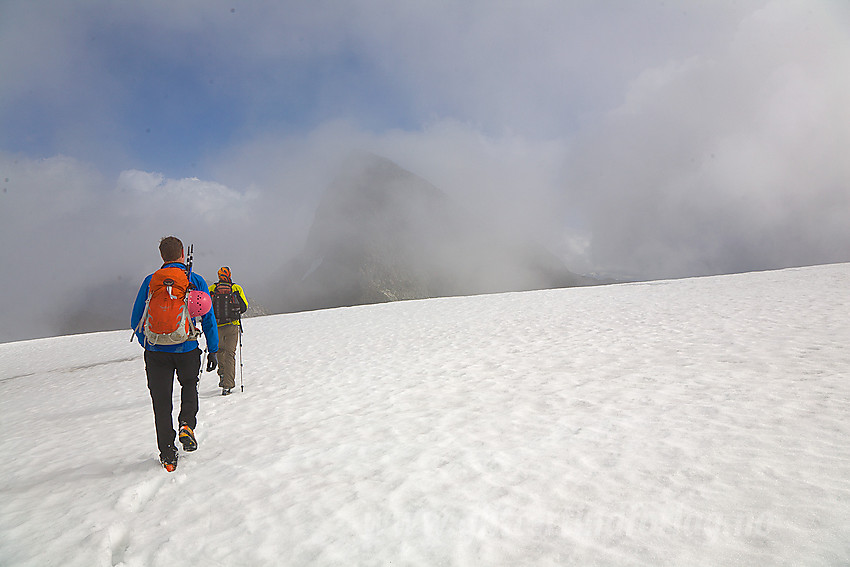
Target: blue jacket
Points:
(207, 321)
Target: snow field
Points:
(688, 422)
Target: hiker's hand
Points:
(212, 361)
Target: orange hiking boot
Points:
(169, 464)
(187, 438)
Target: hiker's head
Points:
(171, 249)
(224, 274)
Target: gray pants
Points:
(228, 340)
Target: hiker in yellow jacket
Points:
(229, 303)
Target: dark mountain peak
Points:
(373, 195)
(382, 233)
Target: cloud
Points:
(725, 162)
(657, 139)
(69, 230)
(48, 220)
(510, 179)
(111, 82)
(254, 219)
(191, 197)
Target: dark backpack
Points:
(225, 305)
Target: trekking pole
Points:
(241, 375)
(189, 258)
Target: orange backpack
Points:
(166, 319)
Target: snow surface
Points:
(690, 422)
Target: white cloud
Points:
(722, 162)
(658, 138)
(189, 196)
(73, 231)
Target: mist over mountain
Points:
(383, 234)
(100, 308)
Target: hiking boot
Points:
(226, 391)
(169, 463)
(187, 438)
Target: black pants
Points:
(160, 368)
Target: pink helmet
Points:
(199, 303)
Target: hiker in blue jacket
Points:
(163, 360)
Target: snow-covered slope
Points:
(689, 422)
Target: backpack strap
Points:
(139, 328)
